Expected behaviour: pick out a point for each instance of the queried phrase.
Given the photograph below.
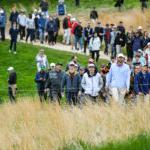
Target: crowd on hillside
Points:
(123, 76)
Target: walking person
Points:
(118, 79)
(142, 85)
(129, 46)
(13, 16)
(22, 19)
(119, 4)
(40, 80)
(72, 84)
(94, 46)
(13, 32)
(12, 84)
(44, 5)
(87, 34)
(2, 24)
(30, 25)
(94, 15)
(77, 3)
(78, 32)
(143, 4)
(92, 83)
(53, 83)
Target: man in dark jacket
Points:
(94, 15)
(78, 36)
(13, 16)
(121, 27)
(87, 33)
(100, 31)
(12, 84)
(142, 84)
(72, 84)
(53, 83)
(14, 31)
(44, 7)
(77, 2)
(2, 24)
(40, 79)
(119, 4)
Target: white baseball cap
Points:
(120, 55)
(10, 68)
(52, 65)
(71, 63)
(91, 65)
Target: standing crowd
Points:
(122, 77)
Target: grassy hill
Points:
(24, 63)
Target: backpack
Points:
(61, 10)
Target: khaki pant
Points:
(145, 98)
(67, 35)
(118, 95)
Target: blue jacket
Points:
(41, 83)
(2, 20)
(71, 84)
(41, 23)
(51, 26)
(137, 43)
(14, 34)
(142, 83)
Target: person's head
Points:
(42, 69)
(107, 25)
(94, 8)
(137, 69)
(137, 57)
(145, 34)
(89, 25)
(120, 23)
(30, 16)
(140, 28)
(120, 59)
(81, 71)
(58, 66)
(69, 16)
(52, 66)
(10, 69)
(144, 68)
(137, 34)
(41, 52)
(91, 69)
(99, 24)
(71, 67)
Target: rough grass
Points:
(28, 125)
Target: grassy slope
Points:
(24, 63)
(142, 142)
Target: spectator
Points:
(147, 54)
(107, 38)
(41, 27)
(143, 4)
(146, 39)
(44, 7)
(12, 84)
(119, 71)
(87, 34)
(121, 27)
(41, 60)
(92, 83)
(100, 31)
(94, 15)
(50, 28)
(54, 83)
(77, 2)
(30, 25)
(13, 35)
(61, 9)
(142, 85)
(95, 45)
(67, 29)
(40, 79)
(78, 32)
(13, 16)
(119, 4)
(129, 46)
(22, 19)
(2, 24)
(71, 82)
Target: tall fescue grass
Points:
(29, 125)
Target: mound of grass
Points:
(141, 142)
(25, 65)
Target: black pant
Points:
(11, 96)
(72, 98)
(55, 95)
(93, 55)
(22, 31)
(50, 37)
(2, 32)
(13, 44)
(85, 45)
(55, 37)
(31, 34)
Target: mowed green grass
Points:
(85, 4)
(25, 65)
(141, 142)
